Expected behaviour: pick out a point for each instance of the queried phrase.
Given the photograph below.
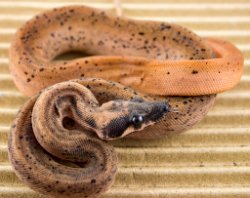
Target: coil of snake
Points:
(53, 144)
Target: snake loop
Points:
(151, 57)
(92, 173)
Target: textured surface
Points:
(211, 160)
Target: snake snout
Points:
(158, 110)
(165, 107)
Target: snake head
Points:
(132, 116)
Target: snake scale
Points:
(159, 78)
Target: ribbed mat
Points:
(210, 160)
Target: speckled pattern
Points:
(72, 111)
(90, 171)
(34, 48)
(156, 58)
(211, 160)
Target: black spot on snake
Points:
(68, 123)
(194, 72)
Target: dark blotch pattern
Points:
(117, 127)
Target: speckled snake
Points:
(168, 66)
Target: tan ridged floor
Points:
(210, 160)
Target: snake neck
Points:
(72, 107)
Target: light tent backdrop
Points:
(211, 160)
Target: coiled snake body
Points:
(67, 118)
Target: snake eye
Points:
(137, 119)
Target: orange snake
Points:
(168, 65)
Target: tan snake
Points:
(67, 118)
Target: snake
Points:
(137, 79)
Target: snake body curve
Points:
(152, 57)
(139, 51)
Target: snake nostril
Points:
(165, 108)
(68, 123)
